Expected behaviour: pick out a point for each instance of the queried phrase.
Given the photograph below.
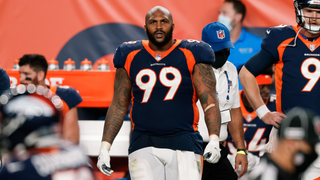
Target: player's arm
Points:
(236, 130)
(252, 68)
(114, 118)
(119, 105)
(251, 88)
(70, 127)
(205, 85)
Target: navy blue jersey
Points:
(256, 132)
(61, 163)
(163, 95)
(70, 97)
(4, 81)
(297, 68)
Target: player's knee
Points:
(140, 169)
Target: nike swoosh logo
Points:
(268, 31)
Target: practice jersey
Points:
(297, 68)
(163, 95)
(62, 163)
(256, 132)
(69, 96)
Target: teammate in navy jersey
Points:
(164, 79)
(30, 138)
(256, 132)
(295, 52)
(33, 69)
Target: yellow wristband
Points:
(241, 152)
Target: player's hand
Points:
(212, 150)
(103, 163)
(273, 118)
(241, 164)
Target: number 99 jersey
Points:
(163, 95)
(297, 70)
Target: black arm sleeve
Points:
(260, 61)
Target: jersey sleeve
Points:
(69, 95)
(4, 81)
(205, 53)
(119, 58)
(201, 51)
(123, 50)
(270, 43)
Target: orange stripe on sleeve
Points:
(129, 61)
(278, 73)
(191, 62)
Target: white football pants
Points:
(164, 164)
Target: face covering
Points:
(302, 161)
(225, 20)
(220, 58)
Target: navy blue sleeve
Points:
(201, 51)
(119, 58)
(69, 95)
(124, 50)
(206, 53)
(4, 81)
(259, 62)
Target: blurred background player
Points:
(4, 81)
(217, 36)
(298, 134)
(33, 70)
(30, 138)
(165, 78)
(256, 132)
(246, 44)
(295, 51)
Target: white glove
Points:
(104, 159)
(212, 151)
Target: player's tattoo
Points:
(205, 85)
(207, 79)
(207, 75)
(119, 106)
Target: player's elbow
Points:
(244, 75)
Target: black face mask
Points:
(221, 58)
(302, 161)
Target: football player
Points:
(295, 51)
(33, 70)
(30, 138)
(163, 78)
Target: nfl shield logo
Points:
(312, 47)
(221, 34)
(158, 57)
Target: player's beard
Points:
(167, 38)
